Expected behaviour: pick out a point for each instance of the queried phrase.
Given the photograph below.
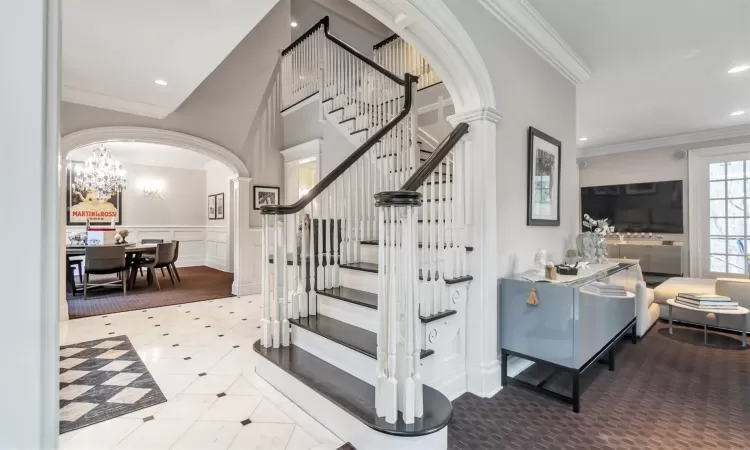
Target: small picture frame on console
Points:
(543, 184)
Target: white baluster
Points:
(417, 323)
(296, 284)
(265, 323)
(335, 223)
(321, 258)
(304, 302)
(328, 250)
(278, 275)
(312, 299)
(382, 337)
(284, 306)
(408, 301)
(391, 409)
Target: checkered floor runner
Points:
(103, 379)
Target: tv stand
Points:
(654, 256)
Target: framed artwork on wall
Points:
(83, 205)
(211, 207)
(220, 206)
(543, 184)
(265, 195)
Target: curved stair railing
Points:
(338, 213)
(396, 55)
(412, 281)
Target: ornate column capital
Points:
(485, 113)
(245, 180)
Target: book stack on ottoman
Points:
(706, 301)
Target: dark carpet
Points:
(667, 392)
(198, 284)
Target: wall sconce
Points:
(152, 189)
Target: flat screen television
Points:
(637, 208)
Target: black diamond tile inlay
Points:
(175, 345)
(111, 332)
(221, 335)
(157, 325)
(244, 319)
(151, 317)
(235, 346)
(187, 358)
(221, 394)
(165, 334)
(149, 418)
(107, 324)
(202, 374)
(208, 326)
(245, 422)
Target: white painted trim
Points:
(104, 101)
(489, 114)
(679, 139)
(304, 150)
(246, 289)
(81, 138)
(435, 106)
(521, 18)
(350, 361)
(297, 106)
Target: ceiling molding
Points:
(304, 150)
(680, 139)
(97, 100)
(528, 24)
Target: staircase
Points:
(364, 313)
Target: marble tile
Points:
(101, 436)
(242, 387)
(72, 375)
(300, 440)
(211, 384)
(129, 395)
(108, 344)
(155, 435)
(72, 411)
(186, 407)
(112, 354)
(263, 436)
(232, 408)
(267, 412)
(116, 366)
(70, 351)
(69, 363)
(145, 412)
(71, 391)
(122, 379)
(209, 436)
(173, 383)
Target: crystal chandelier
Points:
(100, 174)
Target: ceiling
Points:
(659, 67)
(147, 155)
(114, 50)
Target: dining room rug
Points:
(101, 380)
(198, 283)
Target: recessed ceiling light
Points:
(160, 82)
(294, 24)
(738, 69)
(738, 113)
(583, 139)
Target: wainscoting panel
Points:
(199, 245)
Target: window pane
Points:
(735, 169)
(718, 245)
(736, 227)
(736, 264)
(718, 263)
(716, 171)
(735, 188)
(718, 226)
(718, 208)
(735, 246)
(717, 189)
(735, 207)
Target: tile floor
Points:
(201, 356)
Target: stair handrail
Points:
(329, 179)
(428, 167)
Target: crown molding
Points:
(528, 24)
(97, 100)
(667, 141)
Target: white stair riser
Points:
(368, 253)
(346, 359)
(358, 279)
(359, 316)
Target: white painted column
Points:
(29, 126)
(482, 363)
(247, 242)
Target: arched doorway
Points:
(170, 139)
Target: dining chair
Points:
(164, 257)
(102, 261)
(172, 267)
(146, 259)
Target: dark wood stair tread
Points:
(357, 339)
(370, 300)
(373, 268)
(354, 395)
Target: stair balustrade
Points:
(412, 281)
(396, 55)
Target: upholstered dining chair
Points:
(148, 256)
(164, 257)
(102, 261)
(172, 267)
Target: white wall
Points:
(334, 149)
(217, 231)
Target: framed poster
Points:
(212, 207)
(265, 195)
(543, 184)
(220, 206)
(82, 205)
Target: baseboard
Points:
(245, 289)
(217, 264)
(453, 387)
(485, 381)
(190, 261)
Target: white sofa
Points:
(736, 288)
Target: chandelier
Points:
(100, 174)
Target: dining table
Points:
(133, 253)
